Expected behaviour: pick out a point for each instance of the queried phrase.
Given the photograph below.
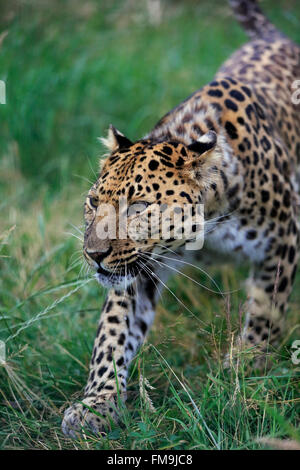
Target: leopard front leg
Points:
(125, 320)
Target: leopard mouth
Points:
(132, 268)
(121, 277)
(103, 271)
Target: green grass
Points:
(70, 71)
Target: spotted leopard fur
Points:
(234, 145)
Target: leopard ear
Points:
(115, 140)
(204, 144)
(200, 166)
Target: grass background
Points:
(71, 68)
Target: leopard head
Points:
(136, 181)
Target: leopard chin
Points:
(115, 280)
(119, 278)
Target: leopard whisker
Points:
(195, 267)
(152, 273)
(76, 228)
(75, 236)
(155, 283)
(188, 277)
(83, 178)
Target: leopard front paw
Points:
(92, 414)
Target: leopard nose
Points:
(99, 256)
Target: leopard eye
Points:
(94, 201)
(137, 208)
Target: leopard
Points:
(233, 148)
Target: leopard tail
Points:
(252, 19)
